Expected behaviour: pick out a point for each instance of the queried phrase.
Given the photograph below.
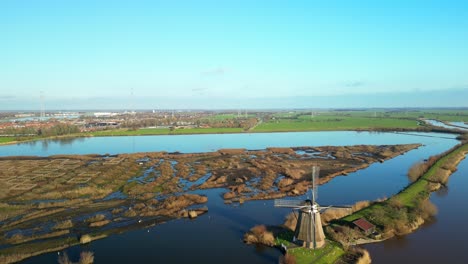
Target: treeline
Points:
(58, 130)
(55, 130)
(244, 123)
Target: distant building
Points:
(105, 114)
(367, 227)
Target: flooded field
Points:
(200, 239)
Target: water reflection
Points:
(205, 143)
(442, 192)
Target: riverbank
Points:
(406, 211)
(401, 214)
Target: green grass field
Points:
(330, 253)
(229, 116)
(164, 131)
(334, 122)
(4, 140)
(439, 114)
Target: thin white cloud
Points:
(7, 97)
(215, 71)
(354, 84)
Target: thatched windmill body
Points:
(309, 225)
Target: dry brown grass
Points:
(337, 213)
(11, 258)
(96, 218)
(130, 213)
(99, 223)
(360, 205)
(117, 210)
(19, 238)
(333, 213)
(63, 225)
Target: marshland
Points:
(149, 195)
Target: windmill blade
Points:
(288, 203)
(325, 207)
(342, 206)
(315, 176)
(335, 206)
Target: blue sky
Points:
(233, 54)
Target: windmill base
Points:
(310, 245)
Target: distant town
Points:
(19, 126)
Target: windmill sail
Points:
(315, 176)
(288, 203)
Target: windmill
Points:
(309, 225)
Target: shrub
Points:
(450, 167)
(427, 209)
(356, 255)
(287, 259)
(416, 171)
(259, 235)
(258, 230)
(365, 257)
(85, 239)
(86, 257)
(395, 203)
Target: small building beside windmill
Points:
(366, 226)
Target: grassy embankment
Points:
(410, 198)
(335, 122)
(163, 131)
(330, 253)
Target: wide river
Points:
(217, 236)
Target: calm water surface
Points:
(217, 235)
(205, 143)
(456, 125)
